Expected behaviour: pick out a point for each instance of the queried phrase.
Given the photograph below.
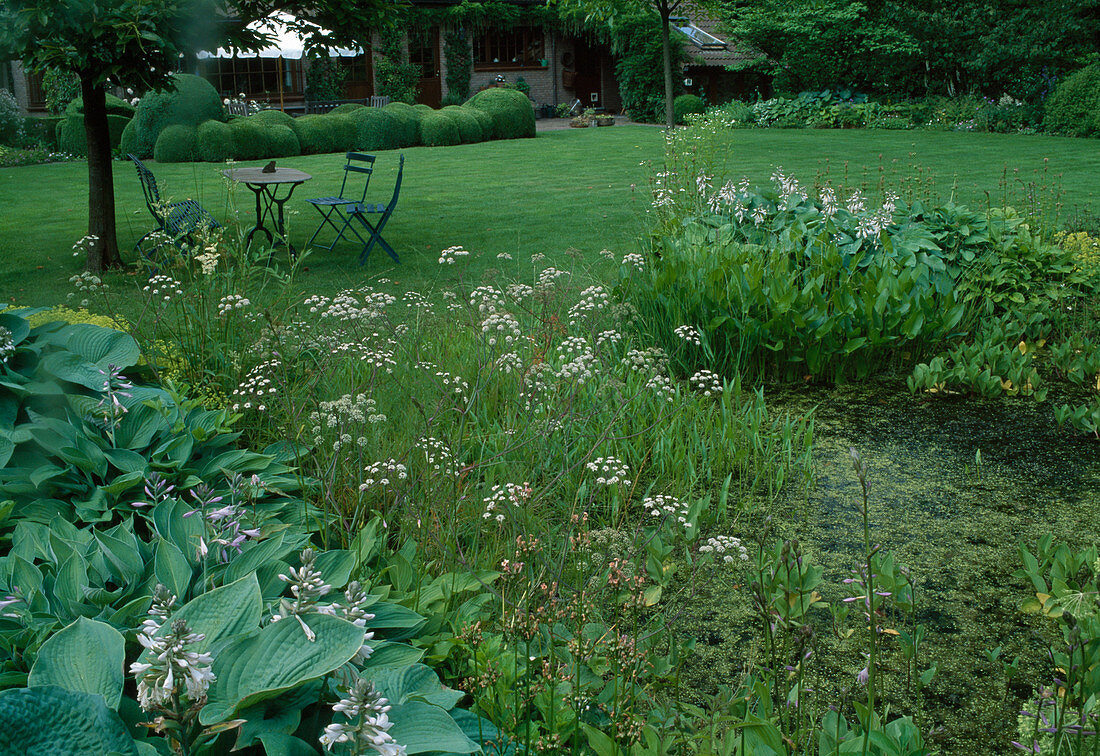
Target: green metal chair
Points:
(339, 207)
(177, 220)
(362, 212)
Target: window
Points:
(509, 49)
(253, 77)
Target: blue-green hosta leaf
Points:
(422, 727)
(416, 682)
(388, 654)
(276, 659)
(336, 565)
(7, 448)
(86, 656)
(18, 327)
(394, 622)
(172, 569)
(50, 719)
(281, 744)
(224, 612)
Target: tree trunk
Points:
(666, 52)
(103, 252)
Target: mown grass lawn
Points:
(582, 189)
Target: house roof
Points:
(719, 51)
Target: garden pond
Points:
(956, 485)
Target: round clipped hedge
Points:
(115, 106)
(484, 120)
(189, 102)
(320, 134)
(423, 109)
(1073, 108)
(274, 118)
(256, 139)
(685, 105)
(214, 141)
(440, 129)
(402, 123)
(176, 144)
(72, 138)
(347, 107)
(510, 110)
(469, 127)
(370, 132)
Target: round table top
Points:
(257, 176)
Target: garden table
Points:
(266, 187)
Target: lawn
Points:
(573, 188)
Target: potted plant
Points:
(605, 119)
(579, 122)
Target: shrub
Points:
(115, 106)
(423, 109)
(510, 111)
(403, 123)
(347, 107)
(176, 144)
(484, 120)
(369, 131)
(439, 129)
(733, 114)
(214, 142)
(127, 142)
(1074, 106)
(11, 119)
(274, 118)
(469, 127)
(320, 134)
(256, 140)
(191, 101)
(72, 139)
(42, 130)
(687, 104)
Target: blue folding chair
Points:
(362, 212)
(336, 211)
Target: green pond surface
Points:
(957, 527)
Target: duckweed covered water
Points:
(955, 523)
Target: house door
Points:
(358, 76)
(586, 82)
(424, 54)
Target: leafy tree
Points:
(138, 44)
(615, 12)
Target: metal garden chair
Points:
(177, 220)
(364, 210)
(339, 207)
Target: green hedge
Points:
(115, 106)
(258, 139)
(439, 129)
(72, 139)
(1073, 108)
(511, 112)
(685, 105)
(176, 144)
(402, 123)
(319, 134)
(191, 101)
(215, 142)
(370, 134)
(484, 120)
(469, 127)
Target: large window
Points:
(509, 49)
(254, 77)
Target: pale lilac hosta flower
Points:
(828, 202)
(110, 410)
(367, 726)
(156, 491)
(7, 344)
(354, 610)
(856, 204)
(759, 215)
(173, 672)
(307, 585)
(226, 522)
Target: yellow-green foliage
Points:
(68, 315)
(1085, 249)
